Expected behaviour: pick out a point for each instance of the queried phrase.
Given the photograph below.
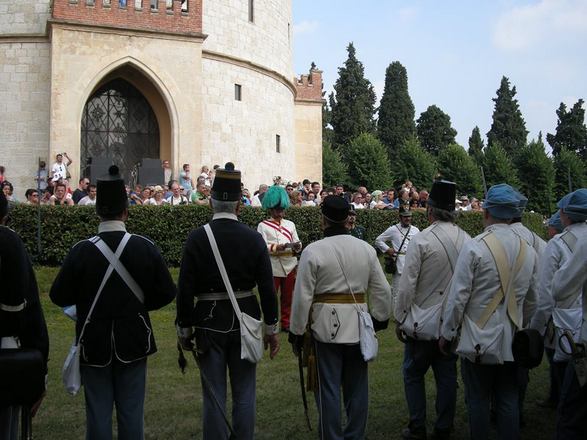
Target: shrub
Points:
(169, 226)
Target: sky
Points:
(455, 52)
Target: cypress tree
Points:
(569, 173)
(571, 132)
(498, 166)
(353, 104)
(536, 174)
(368, 163)
(396, 124)
(434, 130)
(414, 163)
(508, 127)
(456, 165)
(334, 170)
(476, 146)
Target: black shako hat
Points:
(111, 198)
(443, 195)
(227, 184)
(335, 209)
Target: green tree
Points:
(367, 161)
(396, 111)
(434, 130)
(536, 174)
(414, 163)
(334, 170)
(569, 173)
(476, 146)
(327, 132)
(456, 165)
(571, 132)
(498, 166)
(353, 104)
(508, 127)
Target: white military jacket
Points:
(395, 234)
(537, 243)
(319, 272)
(282, 263)
(572, 278)
(556, 253)
(427, 270)
(476, 281)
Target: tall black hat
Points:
(335, 209)
(111, 198)
(443, 195)
(227, 184)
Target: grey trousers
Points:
(117, 384)
(9, 418)
(341, 365)
(222, 351)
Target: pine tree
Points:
(476, 146)
(334, 170)
(368, 163)
(569, 173)
(434, 130)
(396, 124)
(508, 127)
(456, 165)
(327, 132)
(536, 174)
(413, 163)
(498, 167)
(353, 105)
(571, 132)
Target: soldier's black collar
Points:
(336, 230)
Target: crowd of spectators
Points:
(51, 187)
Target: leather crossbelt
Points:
(339, 298)
(218, 296)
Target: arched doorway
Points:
(118, 124)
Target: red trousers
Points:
(285, 287)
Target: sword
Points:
(303, 388)
(207, 385)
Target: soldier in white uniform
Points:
(487, 308)
(399, 235)
(334, 276)
(429, 265)
(283, 244)
(523, 232)
(569, 282)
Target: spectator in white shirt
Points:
(90, 199)
(177, 198)
(59, 168)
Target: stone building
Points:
(191, 81)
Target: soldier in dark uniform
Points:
(119, 336)
(21, 315)
(217, 333)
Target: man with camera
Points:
(399, 236)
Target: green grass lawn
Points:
(174, 403)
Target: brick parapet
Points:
(309, 87)
(96, 13)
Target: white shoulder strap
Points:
(109, 271)
(115, 263)
(222, 270)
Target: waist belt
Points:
(339, 298)
(218, 296)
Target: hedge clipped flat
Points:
(169, 226)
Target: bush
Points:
(169, 226)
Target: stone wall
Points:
(82, 58)
(24, 110)
(266, 41)
(23, 17)
(244, 132)
(308, 132)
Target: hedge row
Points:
(168, 227)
